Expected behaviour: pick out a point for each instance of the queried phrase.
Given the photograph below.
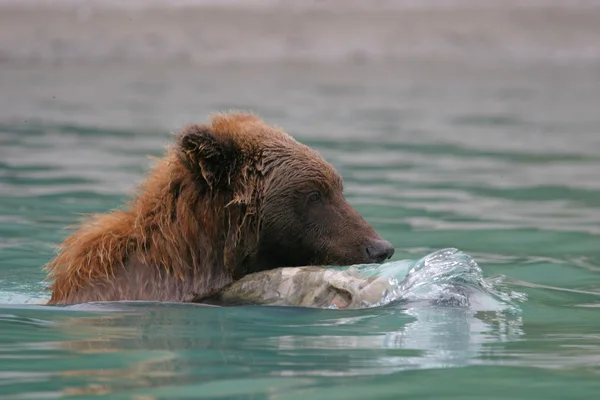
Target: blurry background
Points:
(470, 123)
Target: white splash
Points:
(446, 277)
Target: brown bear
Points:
(230, 198)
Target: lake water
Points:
(488, 148)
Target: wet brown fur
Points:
(189, 230)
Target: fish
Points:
(310, 286)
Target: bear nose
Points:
(378, 251)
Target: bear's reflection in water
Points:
(152, 345)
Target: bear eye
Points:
(314, 197)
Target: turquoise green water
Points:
(502, 164)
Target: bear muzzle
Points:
(378, 251)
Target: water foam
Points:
(447, 277)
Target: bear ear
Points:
(212, 157)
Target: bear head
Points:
(282, 203)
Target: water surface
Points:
(498, 159)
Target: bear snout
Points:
(378, 251)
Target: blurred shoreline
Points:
(43, 32)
